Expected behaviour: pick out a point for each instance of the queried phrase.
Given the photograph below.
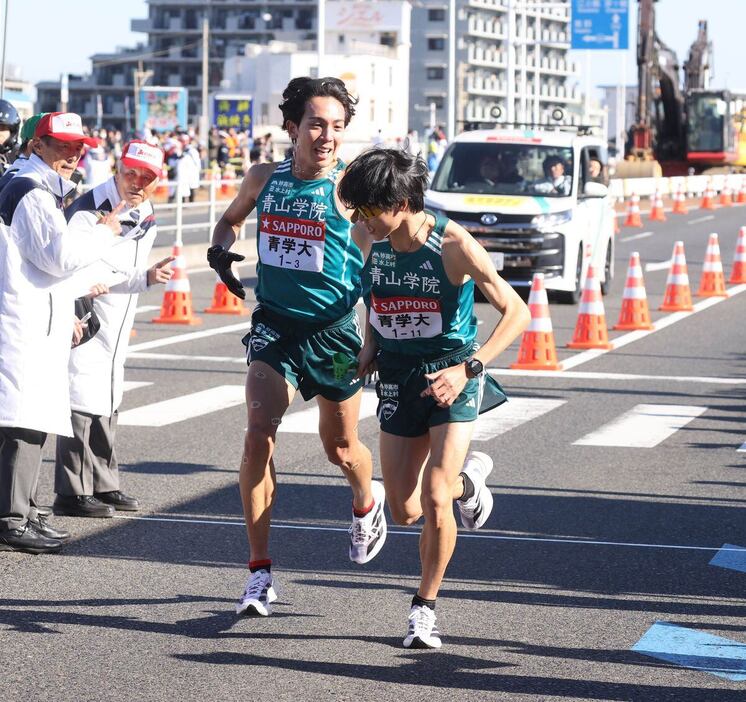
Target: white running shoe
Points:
(368, 533)
(476, 510)
(258, 594)
(422, 631)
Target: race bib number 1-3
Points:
(296, 244)
(406, 317)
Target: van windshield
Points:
(505, 169)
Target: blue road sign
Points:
(600, 24)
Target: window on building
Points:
(436, 43)
(435, 73)
(436, 14)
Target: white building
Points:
(366, 46)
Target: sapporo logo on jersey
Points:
(294, 244)
(406, 317)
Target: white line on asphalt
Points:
(742, 449)
(644, 426)
(699, 220)
(513, 413)
(184, 407)
(657, 266)
(416, 532)
(180, 338)
(626, 377)
(662, 323)
(147, 308)
(134, 384)
(642, 235)
(144, 355)
(306, 421)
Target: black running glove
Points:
(220, 261)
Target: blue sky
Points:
(91, 26)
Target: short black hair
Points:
(385, 178)
(300, 90)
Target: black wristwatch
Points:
(474, 366)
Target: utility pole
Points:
(451, 117)
(139, 78)
(5, 44)
(321, 36)
(205, 77)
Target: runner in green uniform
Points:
(419, 276)
(304, 326)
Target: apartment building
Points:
(509, 53)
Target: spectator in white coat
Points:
(38, 254)
(86, 468)
(189, 169)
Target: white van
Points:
(535, 199)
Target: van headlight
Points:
(550, 221)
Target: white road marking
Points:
(147, 308)
(662, 323)
(184, 407)
(706, 218)
(511, 414)
(625, 377)
(641, 235)
(415, 531)
(134, 384)
(644, 426)
(306, 421)
(742, 449)
(144, 355)
(191, 336)
(657, 266)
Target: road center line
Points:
(657, 266)
(416, 532)
(706, 218)
(625, 377)
(180, 338)
(642, 235)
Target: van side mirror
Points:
(595, 190)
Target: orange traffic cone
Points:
(679, 202)
(707, 198)
(227, 187)
(634, 313)
(590, 330)
(225, 302)
(678, 297)
(741, 199)
(726, 200)
(633, 218)
(177, 299)
(656, 213)
(161, 190)
(712, 282)
(738, 273)
(538, 351)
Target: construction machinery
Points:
(680, 130)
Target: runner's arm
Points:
(230, 223)
(462, 257)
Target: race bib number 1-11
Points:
(406, 317)
(296, 244)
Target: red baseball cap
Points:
(140, 154)
(65, 126)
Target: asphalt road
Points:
(594, 543)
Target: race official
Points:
(38, 255)
(86, 468)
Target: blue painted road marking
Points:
(730, 556)
(695, 649)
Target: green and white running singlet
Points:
(309, 267)
(413, 307)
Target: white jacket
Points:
(97, 367)
(38, 255)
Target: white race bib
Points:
(297, 244)
(406, 317)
